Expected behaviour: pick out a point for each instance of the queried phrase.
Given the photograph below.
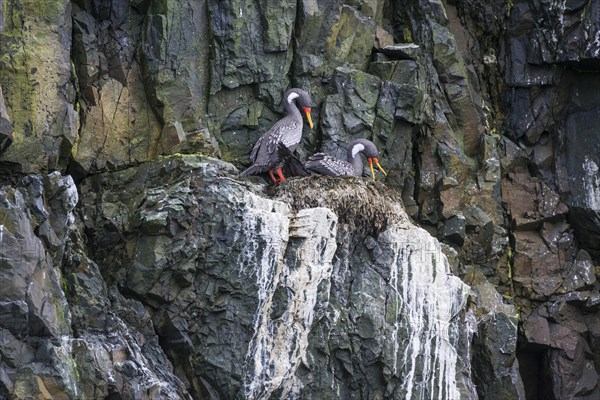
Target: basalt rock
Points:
(175, 63)
(485, 115)
(556, 335)
(531, 52)
(65, 335)
(229, 276)
(495, 342)
(38, 86)
(104, 56)
(6, 127)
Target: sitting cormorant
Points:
(287, 131)
(324, 164)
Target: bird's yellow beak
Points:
(308, 118)
(371, 166)
(376, 161)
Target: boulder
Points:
(454, 230)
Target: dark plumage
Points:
(287, 131)
(324, 164)
(293, 163)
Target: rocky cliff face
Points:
(135, 264)
(173, 280)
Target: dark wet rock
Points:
(495, 369)
(350, 113)
(542, 260)
(530, 202)
(342, 38)
(60, 197)
(29, 274)
(454, 230)
(581, 274)
(579, 163)
(557, 334)
(454, 76)
(481, 110)
(250, 43)
(513, 157)
(63, 335)
(477, 219)
(537, 330)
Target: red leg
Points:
(280, 173)
(272, 176)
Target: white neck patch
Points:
(357, 148)
(292, 96)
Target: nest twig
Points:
(367, 207)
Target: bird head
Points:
(303, 100)
(370, 151)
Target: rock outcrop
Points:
(545, 67)
(191, 284)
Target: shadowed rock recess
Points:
(136, 264)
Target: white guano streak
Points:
(591, 184)
(426, 298)
(279, 346)
(266, 230)
(307, 265)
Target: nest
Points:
(367, 207)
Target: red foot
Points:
(272, 176)
(279, 174)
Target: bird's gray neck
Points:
(355, 160)
(291, 109)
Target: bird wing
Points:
(291, 134)
(292, 162)
(257, 146)
(283, 131)
(324, 164)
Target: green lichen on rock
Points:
(278, 19)
(175, 61)
(332, 40)
(35, 76)
(246, 48)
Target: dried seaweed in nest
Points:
(367, 207)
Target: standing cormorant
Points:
(287, 131)
(324, 164)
